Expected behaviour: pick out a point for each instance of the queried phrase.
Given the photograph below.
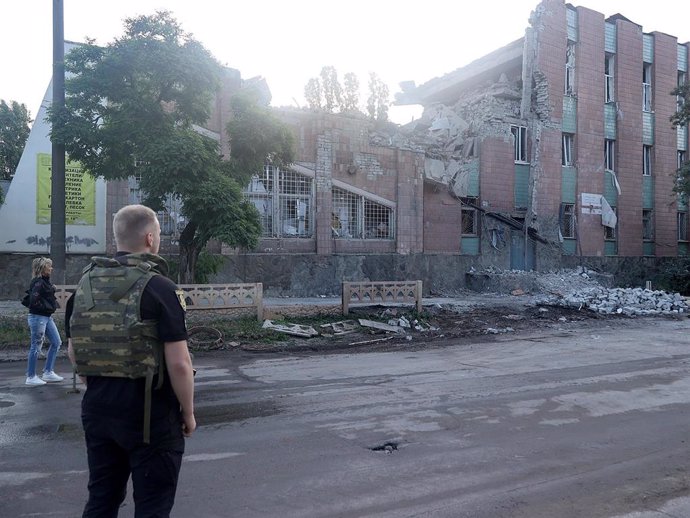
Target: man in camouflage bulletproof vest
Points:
(128, 341)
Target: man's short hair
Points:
(131, 224)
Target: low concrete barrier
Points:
(202, 296)
(385, 292)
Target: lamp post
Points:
(57, 199)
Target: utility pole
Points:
(57, 198)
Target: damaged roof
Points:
(446, 88)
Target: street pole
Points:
(57, 199)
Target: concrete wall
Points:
(313, 275)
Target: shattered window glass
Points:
(285, 211)
(567, 150)
(356, 217)
(610, 232)
(570, 69)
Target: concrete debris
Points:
(380, 325)
(291, 329)
(342, 327)
(402, 322)
(495, 331)
(626, 301)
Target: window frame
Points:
(681, 158)
(647, 225)
(646, 160)
(519, 134)
(646, 87)
(569, 88)
(682, 226)
(609, 78)
(610, 155)
(569, 213)
(610, 233)
(468, 210)
(567, 150)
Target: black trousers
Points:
(116, 450)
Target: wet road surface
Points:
(568, 424)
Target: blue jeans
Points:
(41, 326)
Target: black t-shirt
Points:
(124, 397)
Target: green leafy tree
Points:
(378, 100)
(131, 108)
(350, 93)
(313, 94)
(682, 118)
(14, 131)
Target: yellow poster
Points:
(80, 193)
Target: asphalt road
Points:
(589, 423)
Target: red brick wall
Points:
(497, 174)
(664, 79)
(589, 139)
(629, 143)
(441, 221)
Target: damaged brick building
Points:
(565, 132)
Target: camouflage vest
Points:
(109, 337)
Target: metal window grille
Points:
(646, 160)
(170, 218)
(469, 217)
(520, 142)
(682, 226)
(609, 155)
(609, 76)
(567, 150)
(568, 221)
(647, 87)
(285, 211)
(647, 225)
(356, 217)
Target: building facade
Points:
(575, 143)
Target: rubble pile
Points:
(626, 301)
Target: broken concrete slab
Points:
(342, 327)
(380, 325)
(291, 329)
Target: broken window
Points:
(647, 87)
(609, 77)
(356, 217)
(646, 160)
(170, 218)
(469, 217)
(682, 226)
(610, 232)
(520, 142)
(568, 220)
(647, 225)
(570, 69)
(680, 159)
(284, 200)
(609, 154)
(567, 149)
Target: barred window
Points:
(284, 200)
(469, 217)
(170, 218)
(568, 220)
(356, 217)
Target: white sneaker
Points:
(35, 380)
(51, 376)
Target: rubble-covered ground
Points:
(520, 302)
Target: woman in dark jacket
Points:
(42, 305)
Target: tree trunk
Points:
(189, 253)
